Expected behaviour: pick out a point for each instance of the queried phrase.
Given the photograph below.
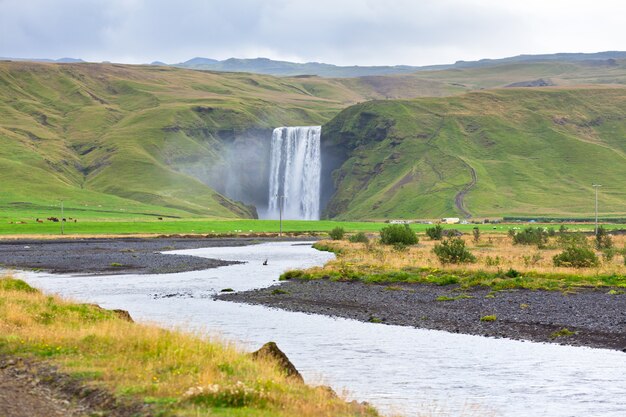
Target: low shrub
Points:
(609, 254)
(603, 239)
(492, 317)
(530, 236)
(435, 233)
(532, 260)
(359, 238)
(576, 257)
(452, 233)
(453, 251)
(566, 240)
(398, 233)
(337, 233)
(512, 273)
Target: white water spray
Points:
(295, 169)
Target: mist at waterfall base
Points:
(257, 166)
(295, 170)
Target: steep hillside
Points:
(518, 151)
(116, 139)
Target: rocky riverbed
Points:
(113, 256)
(588, 317)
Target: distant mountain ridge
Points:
(58, 61)
(284, 68)
(268, 66)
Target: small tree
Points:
(435, 233)
(359, 238)
(398, 233)
(603, 239)
(337, 233)
(453, 251)
(476, 234)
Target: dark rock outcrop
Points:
(271, 351)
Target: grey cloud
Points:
(343, 32)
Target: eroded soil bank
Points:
(596, 318)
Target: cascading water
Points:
(295, 169)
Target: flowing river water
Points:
(398, 369)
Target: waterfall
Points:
(295, 169)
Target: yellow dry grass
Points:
(179, 372)
(495, 254)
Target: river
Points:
(402, 370)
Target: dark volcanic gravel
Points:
(112, 256)
(597, 318)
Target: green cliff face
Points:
(502, 152)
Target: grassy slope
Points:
(534, 152)
(107, 136)
(152, 365)
(111, 139)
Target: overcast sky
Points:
(343, 32)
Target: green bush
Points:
(359, 238)
(567, 240)
(603, 239)
(398, 233)
(337, 233)
(435, 233)
(609, 254)
(576, 257)
(453, 251)
(530, 236)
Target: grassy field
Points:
(20, 221)
(179, 374)
(500, 264)
(510, 152)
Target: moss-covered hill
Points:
(519, 151)
(133, 141)
(120, 140)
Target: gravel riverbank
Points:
(598, 319)
(113, 256)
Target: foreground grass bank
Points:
(500, 265)
(178, 373)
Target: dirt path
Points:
(36, 389)
(460, 196)
(22, 397)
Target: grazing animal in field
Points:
(39, 221)
(160, 218)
